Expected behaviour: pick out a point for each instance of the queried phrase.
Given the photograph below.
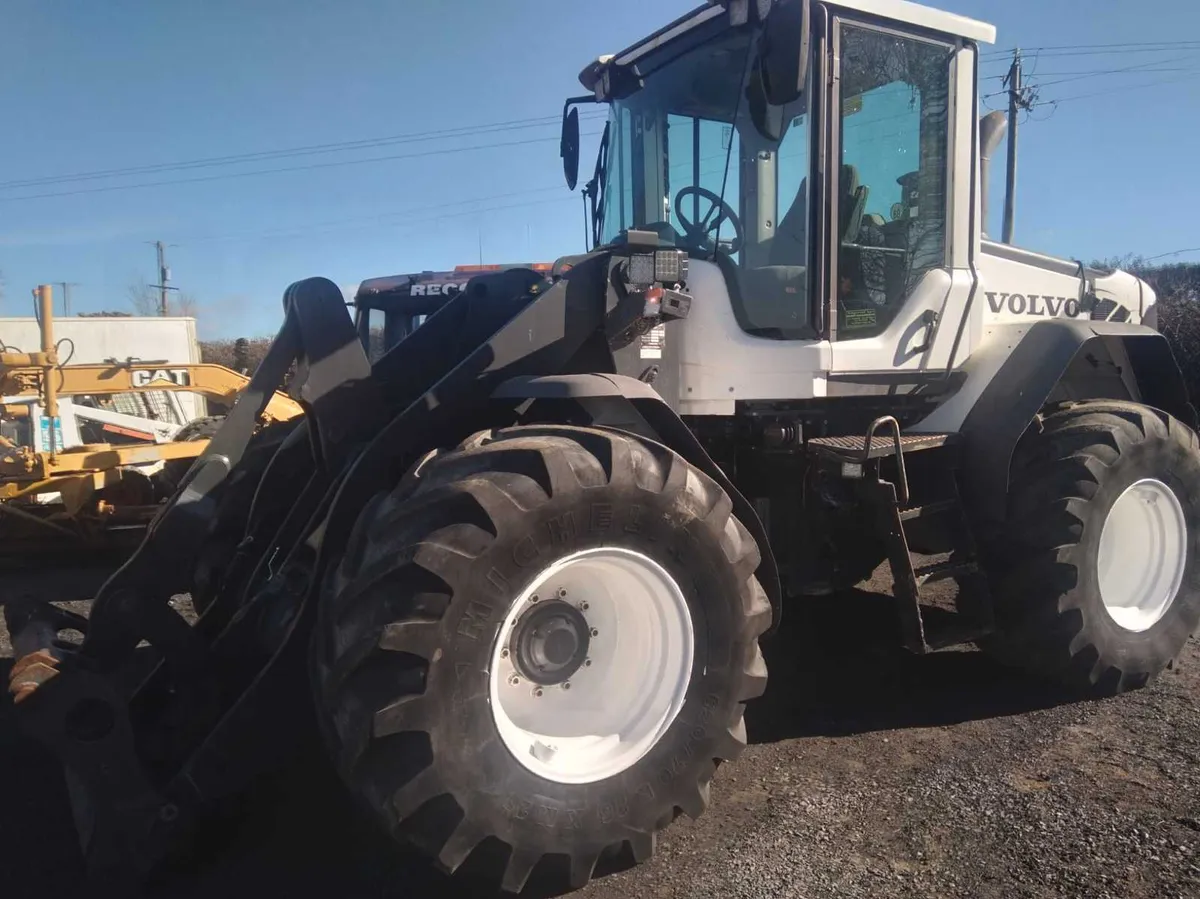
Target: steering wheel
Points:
(695, 232)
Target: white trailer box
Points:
(101, 339)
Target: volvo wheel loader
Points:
(520, 582)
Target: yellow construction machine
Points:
(57, 482)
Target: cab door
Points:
(899, 218)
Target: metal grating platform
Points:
(851, 448)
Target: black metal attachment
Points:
(137, 711)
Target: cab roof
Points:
(926, 17)
(459, 274)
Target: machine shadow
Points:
(836, 667)
(296, 834)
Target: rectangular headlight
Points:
(642, 268)
(670, 266)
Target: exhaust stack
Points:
(992, 128)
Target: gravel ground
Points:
(871, 773)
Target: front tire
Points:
(1096, 577)
(452, 662)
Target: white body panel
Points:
(97, 340)
(1022, 285)
(924, 17)
(708, 362)
(899, 346)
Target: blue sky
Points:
(89, 87)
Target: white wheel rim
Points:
(1143, 553)
(621, 700)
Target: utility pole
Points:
(1018, 99)
(164, 278)
(66, 286)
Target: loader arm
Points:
(144, 764)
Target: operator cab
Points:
(827, 216)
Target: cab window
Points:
(892, 180)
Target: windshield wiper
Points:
(596, 189)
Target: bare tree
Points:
(1177, 286)
(242, 355)
(185, 304)
(145, 301)
(143, 298)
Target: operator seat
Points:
(789, 247)
(774, 295)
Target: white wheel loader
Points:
(526, 574)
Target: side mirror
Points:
(568, 146)
(784, 51)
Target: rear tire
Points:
(199, 429)
(1095, 579)
(417, 649)
(168, 479)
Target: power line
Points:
(285, 153)
(1130, 87)
(1113, 53)
(1121, 47)
(1144, 68)
(1134, 69)
(295, 168)
(1173, 253)
(380, 218)
(420, 223)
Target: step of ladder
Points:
(967, 624)
(853, 448)
(940, 571)
(928, 510)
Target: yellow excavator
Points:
(96, 495)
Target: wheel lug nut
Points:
(538, 692)
(534, 598)
(587, 663)
(595, 633)
(514, 680)
(583, 606)
(504, 653)
(562, 592)
(566, 685)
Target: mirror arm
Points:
(576, 101)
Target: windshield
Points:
(688, 159)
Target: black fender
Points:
(621, 402)
(1024, 382)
